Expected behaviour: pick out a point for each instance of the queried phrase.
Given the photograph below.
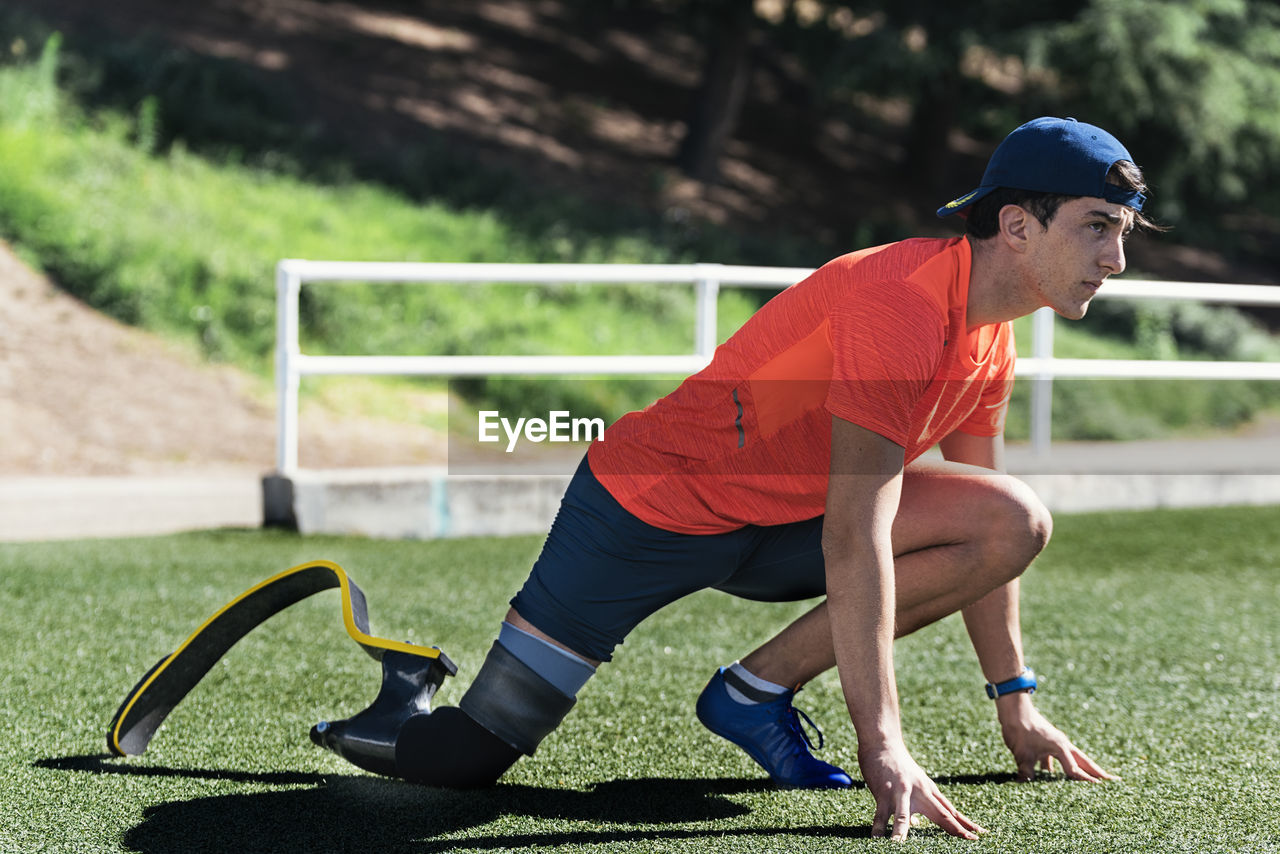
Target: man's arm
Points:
(862, 500)
(994, 626)
(993, 621)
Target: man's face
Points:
(1071, 257)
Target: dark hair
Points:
(984, 215)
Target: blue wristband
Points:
(1024, 681)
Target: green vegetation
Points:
(174, 241)
(119, 209)
(1120, 410)
(177, 242)
(1155, 635)
(1192, 85)
(1206, 74)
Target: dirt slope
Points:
(81, 394)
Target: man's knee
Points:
(1022, 526)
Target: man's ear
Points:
(1016, 226)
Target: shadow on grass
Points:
(989, 779)
(378, 815)
(338, 812)
(105, 763)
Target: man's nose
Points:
(1113, 260)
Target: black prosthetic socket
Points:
(447, 748)
(513, 702)
(507, 711)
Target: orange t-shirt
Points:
(877, 337)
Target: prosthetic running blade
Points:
(410, 674)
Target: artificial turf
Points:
(1157, 637)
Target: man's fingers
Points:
(968, 823)
(880, 822)
(1037, 742)
(1071, 768)
(950, 820)
(1091, 766)
(1075, 772)
(902, 816)
(1077, 765)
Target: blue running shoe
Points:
(771, 734)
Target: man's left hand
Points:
(1035, 741)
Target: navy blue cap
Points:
(1050, 155)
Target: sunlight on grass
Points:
(1154, 634)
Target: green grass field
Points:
(1156, 635)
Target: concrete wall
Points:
(426, 503)
(416, 503)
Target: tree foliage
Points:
(1196, 85)
(1191, 86)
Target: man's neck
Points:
(996, 291)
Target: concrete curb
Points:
(430, 503)
(427, 503)
(417, 503)
(1081, 493)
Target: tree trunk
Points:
(721, 93)
(928, 149)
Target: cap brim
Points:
(958, 206)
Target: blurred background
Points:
(158, 159)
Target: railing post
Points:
(288, 292)
(708, 289)
(1042, 385)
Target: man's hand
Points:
(1033, 740)
(902, 789)
(863, 494)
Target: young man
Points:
(789, 469)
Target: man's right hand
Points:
(902, 789)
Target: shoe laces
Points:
(794, 718)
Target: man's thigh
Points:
(602, 571)
(779, 563)
(942, 504)
(945, 503)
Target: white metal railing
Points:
(292, 364)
